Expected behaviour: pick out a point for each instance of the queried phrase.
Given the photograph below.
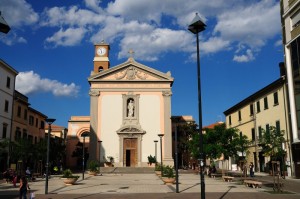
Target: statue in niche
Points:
(130, 108)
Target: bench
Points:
(214, 175)
(252, 183)
(227, 178)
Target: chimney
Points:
(282, 69)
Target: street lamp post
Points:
(195, 27)
(176, 158)
(155, 141)
(85, 134)
(49, 122)
(161, 162)
(100, 141)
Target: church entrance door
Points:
(130, 152)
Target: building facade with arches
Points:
(130, 104)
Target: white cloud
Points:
(12, 38)
(251, 25)
(69, 37)
(93, 4)
(278, 43)
(72, 16)
(18, 13)
(244, 58)
(157, 42)
(137, 23)
(30, 82)
(214, 44)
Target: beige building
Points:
(130, 104)
(290, 19)
(265, 108)
(7, 87)
(28, 123)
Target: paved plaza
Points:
(145, 186)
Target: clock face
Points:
(101, 51)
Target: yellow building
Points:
(290, 20)
(265, 108)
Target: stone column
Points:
(93, 146)
(167, 139)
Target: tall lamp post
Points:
(161, 162)
(176, 156)
(155, 141)
(85, 134)
(195, 27)
(49, 122)
(100, 141)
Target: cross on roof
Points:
(131, 52)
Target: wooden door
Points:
(130, 152)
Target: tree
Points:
(78, 154)
(218, 142)
(185, 136)
(271, 142)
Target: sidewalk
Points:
(142, 186)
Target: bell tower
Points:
(101, 61)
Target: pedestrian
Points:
(251, 168)
(23, 188)
(245, 169)
(15, 179)
(6, 175)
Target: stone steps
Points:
(127, 170)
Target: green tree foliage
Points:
(186, 132)
(3, 146)
(219, 141)
(271, 142)
(78, 153)
(30, 154)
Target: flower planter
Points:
(158, 173)
(108, 164)
(93, 173)
(69, 181)
(168, 181)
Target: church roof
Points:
(131, 71)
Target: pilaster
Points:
(94, 95)
(167, 139)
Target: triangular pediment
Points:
(131, 71)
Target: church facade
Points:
(130, 104)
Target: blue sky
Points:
(51, 45)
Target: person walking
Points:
(23, 188)
(251, 168)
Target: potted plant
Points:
(168, 175)
(157, 169)
(151, 160)
(68, 177)
(109, 161)
(93, 167)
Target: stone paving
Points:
(140, 186)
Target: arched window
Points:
(100, 69)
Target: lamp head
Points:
(155, 140)
(197, 25)
(160, 135)
(50, 120)
(4, 27)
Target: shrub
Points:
(151, 159)
(168, 171)
(157, 167)
(93, 165)
(68, 174)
